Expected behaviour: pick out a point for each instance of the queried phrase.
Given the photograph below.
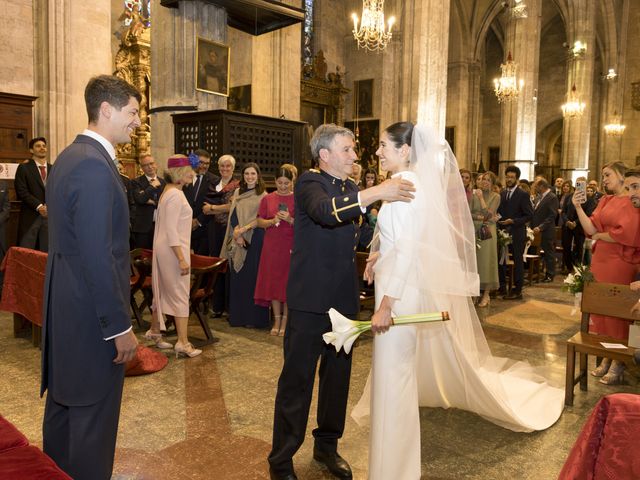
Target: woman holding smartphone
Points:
(275, 215)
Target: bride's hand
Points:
(368, 270)
(381, 320)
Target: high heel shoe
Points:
(277, 320)
(186, 349)
(615, 374)
(157, 339)
(603, 368)
(283, 326)
(484, 302)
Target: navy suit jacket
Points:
(142, 214)
(518, 208)
(196, 199)
(327, 230)
(544, 215)
(30, 191)
(86, 294)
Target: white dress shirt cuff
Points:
(118, 335)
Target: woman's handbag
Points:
(484, 232)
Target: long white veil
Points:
(454, 365)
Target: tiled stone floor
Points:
(210, 417)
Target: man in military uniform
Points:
(323, 274)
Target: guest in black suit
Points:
(146, 192)
(5, 208)
(30, 181)
(196, 194)
(322, 275)
(86, 333)
(543, 222)
(572, 233)
(515, 212)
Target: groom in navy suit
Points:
(515, 212)
(86, 332)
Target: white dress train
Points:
(445, 364)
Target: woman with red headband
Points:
(171, 256)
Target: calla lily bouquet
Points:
(345, 331)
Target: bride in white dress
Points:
(426, 263)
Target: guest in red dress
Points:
(275, 215)
(615, 226)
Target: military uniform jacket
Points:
(327, 230)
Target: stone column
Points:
(463, 110)
(174, 35)
(64, 61)
(576, 132)
(425, 35)
(518, 131)
(275, 74)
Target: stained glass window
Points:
(307, 34)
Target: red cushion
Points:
(145, 361)
(10, 436)
(28, 463)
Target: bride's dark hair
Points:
(400, 133)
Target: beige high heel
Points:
(603, 368)
(615, 374)
(186, 349)
(484, 302)
(157, 339)
(277, 320)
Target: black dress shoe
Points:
(547, 279)
(513, 296)
(337, 465)
(287, 476)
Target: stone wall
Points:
(16, 47)
(630, 151)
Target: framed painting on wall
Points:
(363, 98)
(212, 67)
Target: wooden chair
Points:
(204, 272)
(367, 292)
(140, 282)
(533, 261)
(601, 299)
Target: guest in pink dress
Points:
(171, 256)
(615, 226)
(276, 215)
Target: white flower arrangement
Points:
(345, 331)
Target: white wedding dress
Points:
(425, 264)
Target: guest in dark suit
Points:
(322, 275)
(5, 208)
(30, 181)
(146, 191)
(573, 236)
(196, 194)
(543, 222)
(87, 337)
(515, 212)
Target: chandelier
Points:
(519, 9)
(372, 34)
(615, 128)
(507, 87)
(573, 107)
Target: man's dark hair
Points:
(542, 182)
(632, 172)
(514, 169)
(202, 153)
(107, 88)
(33, 141)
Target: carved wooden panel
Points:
(267, 141)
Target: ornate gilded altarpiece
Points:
(133, 64)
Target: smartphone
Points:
(581, 190)
(283, 207)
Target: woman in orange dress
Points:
(615, 226)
